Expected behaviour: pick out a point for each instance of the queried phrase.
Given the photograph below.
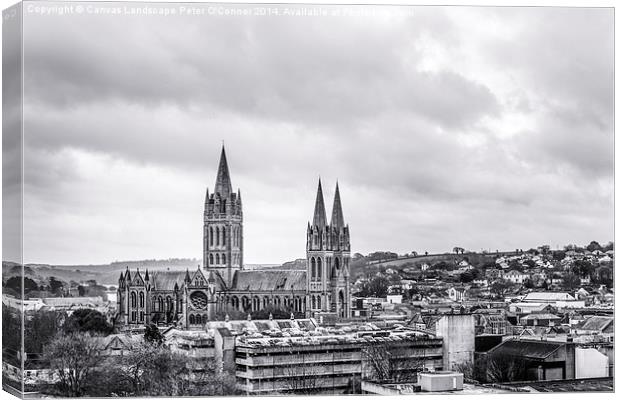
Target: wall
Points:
(458, 333)
(590, 363)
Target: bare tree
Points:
(506, 368)
(300, 378)
(387, 363)
(74, 358)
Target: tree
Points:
(74, 358)
(55, 285)
(376, 286)
(500, 287)
(88, 320)
(476, 370)
(385, 363)
(559, 255)
(153, 336)
(11, 334)
(466, 277)
(571, 281)
(506, 368)
(594, 245)
(301, 378)
(41, 328)
(582, 268)
(15, 283)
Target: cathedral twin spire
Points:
(320, 216)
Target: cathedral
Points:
(223, 288)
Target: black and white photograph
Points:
(233, 199)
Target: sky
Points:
(483, 128)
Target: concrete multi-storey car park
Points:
(328, 363)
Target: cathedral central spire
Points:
(320, 218)
(223, 186)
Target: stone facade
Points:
(191, 299)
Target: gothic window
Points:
(217, 259)
(141, 299)
(337, 264)
(210, 259)
(313, 269)
(224, 259)
(154, 305)
(133, 299)
(168, 304)
(318, 301)
(160, 302)
(319, 267)
(313, 302)
(211, 236)
(199, 300)
(133, 316)
(198, 319)
(224, 235)
(192, 320)
(141, 316)
(217, 236)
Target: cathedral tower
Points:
(327, 257)
(223, 226)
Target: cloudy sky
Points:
(484, 128)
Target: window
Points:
(318, 301)
(319, 268)
(224, 235)
(313, 268)
(141, 316)
(133, 316)
(210, 259)
(223, 258)
(141, 299)
(211, 236)
(217, 236)
(217, 259)
(133, 299)
(192, 320)
(198, 319)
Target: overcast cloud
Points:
(484, 128)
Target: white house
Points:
(515, 276)
(457, 293)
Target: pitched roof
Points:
(272, 280)
(526, 348)
(540, 316)
(553, 296)
(597, 323)
(165, 280)
(223, 186)
(320, 219)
